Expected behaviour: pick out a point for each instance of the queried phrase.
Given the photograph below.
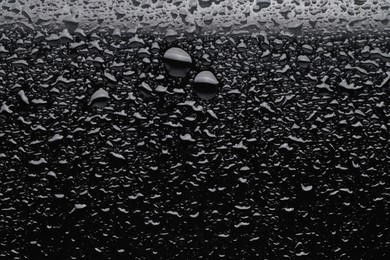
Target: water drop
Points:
(178, 62)
(206, 85)
(99, 98)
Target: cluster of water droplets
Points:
(199, 15)
(134, 144)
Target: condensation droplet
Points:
(178, 62)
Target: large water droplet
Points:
(206, 85)
(178, 62)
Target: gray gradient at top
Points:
(199, 15)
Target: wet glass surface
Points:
(197, 129)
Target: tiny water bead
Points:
(178, 62)
(206, 85)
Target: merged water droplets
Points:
(261, 4)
